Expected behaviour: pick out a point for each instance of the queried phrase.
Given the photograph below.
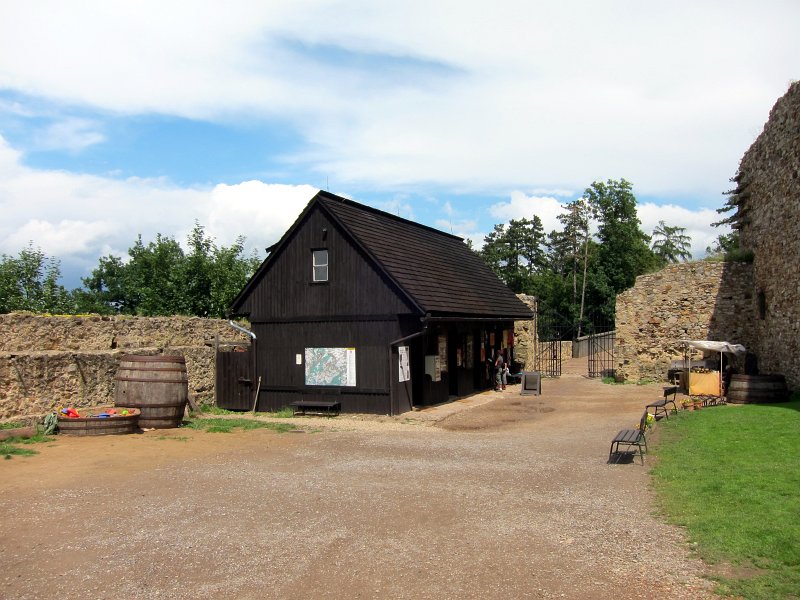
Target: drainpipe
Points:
(242, 329)
(254, 365)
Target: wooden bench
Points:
(315, 407)
(661, 405)
(630, 438)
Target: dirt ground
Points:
(496, 496)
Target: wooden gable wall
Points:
(355, 286)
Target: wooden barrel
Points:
(94, 425)
(158, 385)
(757, 389)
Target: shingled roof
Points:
(436, 270)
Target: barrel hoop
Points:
(143, 380)
(168, 369)
(129, 404)
(157, 358)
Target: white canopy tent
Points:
(720, 347)
(712, 346)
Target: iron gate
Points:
(601, 351)
(548, 348)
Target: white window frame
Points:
(319, 270)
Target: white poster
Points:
(405, 368)
(331, 366)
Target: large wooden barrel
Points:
(757, 389)
(158, 385)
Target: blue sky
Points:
(127, 118)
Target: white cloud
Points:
(78, 218)
(522, 95)
(260, 211)
(696, 222)
(521, 205)
(69, 134)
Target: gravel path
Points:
(500, 496)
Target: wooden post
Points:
(258, 390)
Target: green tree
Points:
(30, 282)
(623, 252)
(576, 244)
(671, 244)
(159, 278)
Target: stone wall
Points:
(768, 219)
(525, 337)
(695, 301)
(50, 362)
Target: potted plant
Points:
(698, 403)
(686, 404)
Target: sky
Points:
(128, 118)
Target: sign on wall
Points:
(405, 367)
(442, 354)
(331, 366)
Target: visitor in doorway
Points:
(499, 368)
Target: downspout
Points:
(254, 364)
(242, 329)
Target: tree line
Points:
(158, 278)
(577, 271)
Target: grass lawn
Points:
(731, 476)
(226, 425)
(11, 446)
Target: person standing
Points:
(499, 369)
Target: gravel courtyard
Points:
(497, 496)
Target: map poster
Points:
(405, 368)
(442, 354)
(331, 366)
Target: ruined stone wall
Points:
(525, 337)
(50, 362)
(694, 301)
(768, 219)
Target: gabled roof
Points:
(436, 270)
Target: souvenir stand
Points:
(705, 385)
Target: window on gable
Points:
(320, 265)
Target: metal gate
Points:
(548, 348)
(601, 352)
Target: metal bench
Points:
(315, 407)
(630, 438)
(660, 406)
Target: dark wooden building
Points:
(379, 313)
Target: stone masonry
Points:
(758, 304)
(685, 301)
(768, 220)
(47, 362)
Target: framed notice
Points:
(404, 366)
(442, 354)
(331, 366)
